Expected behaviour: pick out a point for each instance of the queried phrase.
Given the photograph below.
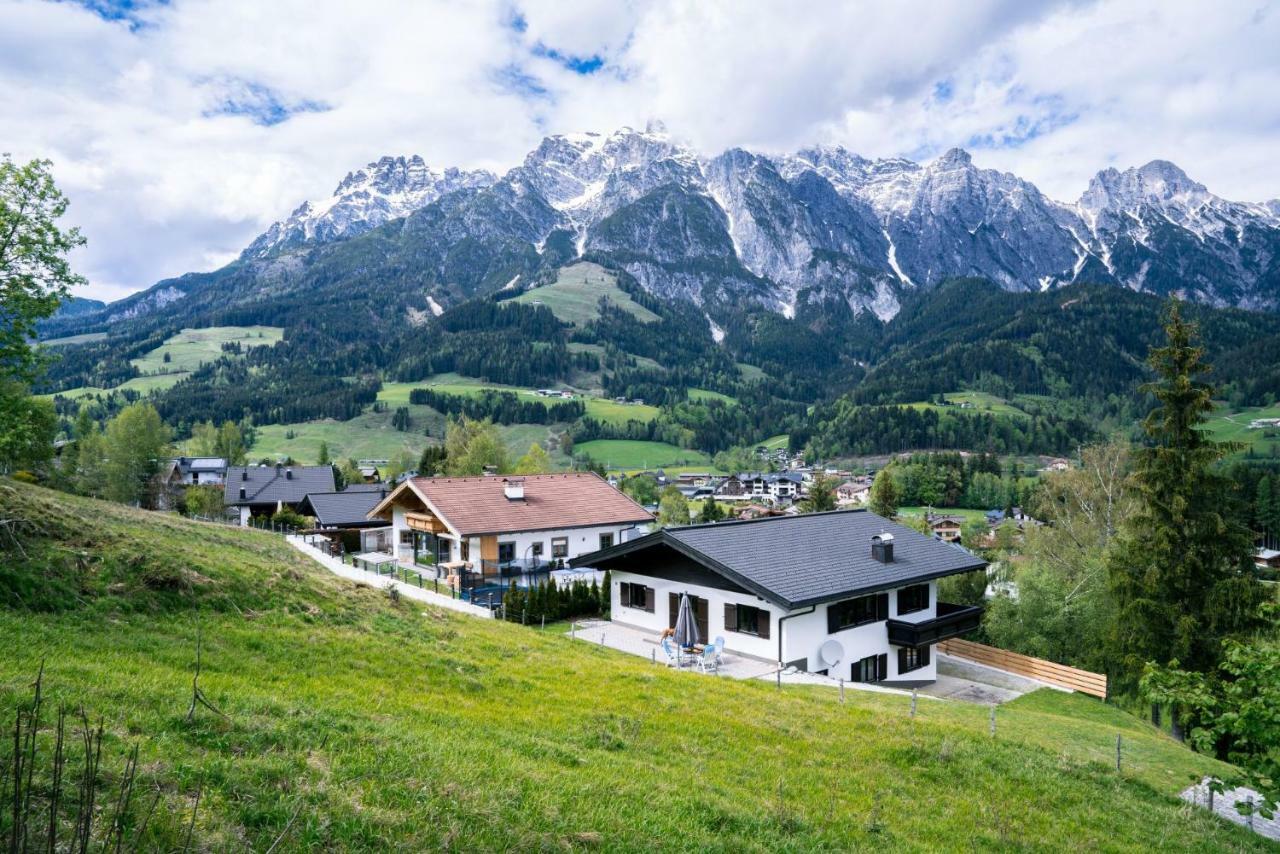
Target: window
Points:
(536, 549)
(638, 596)
(912, 658)
(606, 540)
(506, 552)
(873, 668)
(857, 612)
(911, 599)
(559, 546)
(746, 620)
(406, 537)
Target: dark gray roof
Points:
(796, 561)
(366, 487)
(269, 484)
(342, 509)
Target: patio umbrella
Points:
(686, 624)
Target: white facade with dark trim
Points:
(878, 625)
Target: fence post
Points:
(653, 655)
(992, 724)
(913, 702)
(544, 621)
(842, 690)
(779, 675)
(602, 638)
(1118, 737)
(524, 612)
(573, 630)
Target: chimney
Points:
(490, 471)
(242, 493)
(882, 548)
(288, 474)
(278, 469)
(244, 475)
(513, 488)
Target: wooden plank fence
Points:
(1024, 665)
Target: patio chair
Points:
(720, 649)
(709, 661)
(673, 654)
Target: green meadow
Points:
(346, 721)
(574, 297)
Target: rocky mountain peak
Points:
(956, 158)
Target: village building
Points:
(478, 531)
(944, 527)
(845, 593)
(182, 472)
(263, 490)
(343, 517)
(853, 491)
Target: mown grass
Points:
(700, 395)
(369, 436)
(1232, 425)
(401, 728)
(599, 408)
(978, 401)
(574, 297)
(629, 454)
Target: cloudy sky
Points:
(180, 130)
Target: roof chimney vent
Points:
(278, 467)
(244, 475)
(882, 547)
(242, 493)
(288, 474)
(513, 488)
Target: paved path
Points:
(407, 591)
(1225, 806)
(959, 679)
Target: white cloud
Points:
(163, 182)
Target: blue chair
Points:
(673, 654)
(709, 661)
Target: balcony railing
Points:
(951, 621)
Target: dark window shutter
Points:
(673, 603)
(624, 593)
(883, 666)
(649, 597)
(902, 660)
(762, 623)
(924, 655)
(882, 606)
(730, 617)
(833, 619)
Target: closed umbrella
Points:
(686, 624)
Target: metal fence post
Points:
(779, 675)
(1118, 737)
(842, 690)
(913, 702)
(992, 724)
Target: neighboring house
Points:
(855, 491)
(757, 486)
(945, 528)
(365, 487)
(1058, 464)
(1267, 559)
(846, 593)
(262, 490)
(346, 516)
(187, 471)
(370, 474)
(485, 524)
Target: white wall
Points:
(743, 644)
(802, 635)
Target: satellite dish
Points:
(831, 653)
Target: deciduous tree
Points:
(136, 446)
(883, 499)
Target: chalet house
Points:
(1266, 559)
(762, 486)
(370, 474)
(854, 491)
(945, 528)
(187, 471)
(262, 490)
(344, 517)
(846, 593)
(493, 524)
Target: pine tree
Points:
(322, 458)
(1182, 571)
(1270, 517)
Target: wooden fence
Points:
(1024, 665)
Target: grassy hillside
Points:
(601, 409)
(1232, 425)
(574, 297)
(638, 454)
(396, 727)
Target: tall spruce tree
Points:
(1182, 570)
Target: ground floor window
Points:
(606, 541)
(406, 537)
(536, 549)
(634, 595)
(506, 552)
(912, 658)
(559, 546)
(873, 668)
(746, 620)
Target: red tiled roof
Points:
(478, 505)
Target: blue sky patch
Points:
(515, 79)
(262, 105)
(583, 65)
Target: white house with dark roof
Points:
(846, 593)
(262, 490)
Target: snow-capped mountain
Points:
(384, 190)
(794, 232)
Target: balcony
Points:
(951, 621)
